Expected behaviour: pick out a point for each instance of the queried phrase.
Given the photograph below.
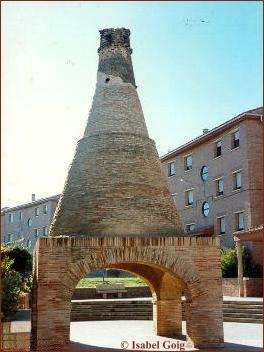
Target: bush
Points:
(22, 259)
(12, 291)
(11, 287)
(16, 265)
(229, 263)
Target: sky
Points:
(196, 64)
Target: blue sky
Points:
(197, 64)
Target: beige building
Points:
(216, 179)
(25, 223)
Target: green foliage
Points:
(126, 281)
(11, 292)
(11, 287)
(229, 262)
(22, 259)
(6, 264)
(16, 266)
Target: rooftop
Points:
(256, 113)
(31, 204)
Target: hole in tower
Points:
(107, 80)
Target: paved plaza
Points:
(108, 335)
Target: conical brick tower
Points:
(115, 185)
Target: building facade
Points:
(217, 178)
(25, 223)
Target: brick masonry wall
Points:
(230, 287)
(13, 341)
(254, 161)
(115, 186)
(253, 287)
(191, 265)
(257, 253)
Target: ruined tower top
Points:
(115, 54)
(111, 37)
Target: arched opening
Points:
(136, 316)
(171, 266)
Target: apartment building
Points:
(216, 179)
(25, 223)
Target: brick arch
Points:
(60, 262)
(181, 266)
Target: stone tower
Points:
(116, 212)
(115, 184)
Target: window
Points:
(45, 209)
(205, 209)
(188, 162)
(29, 222)
(235, 139)
(189, 197)
(174, 197)
(218, 149)
(8, 238)
(219, 187)
(237, 180)
(172, 168)
(221, 225)
(29, 243)
(190, 227)
(10, 217)
(37, 211)
(45, 231)
(20, 216)
(204, 173)
(36, 232)
(240, 221)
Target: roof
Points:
(31, 204)
(254, 234)
(253, 114)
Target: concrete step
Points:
(242, 315)
(252, 311)
(244, 302)
(233, 311)
(243, 320)
(243, 306)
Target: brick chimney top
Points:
(111, 37)
(115, 54)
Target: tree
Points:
(16, 267)
(229, 263)
(11, 287)
(22, 259)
